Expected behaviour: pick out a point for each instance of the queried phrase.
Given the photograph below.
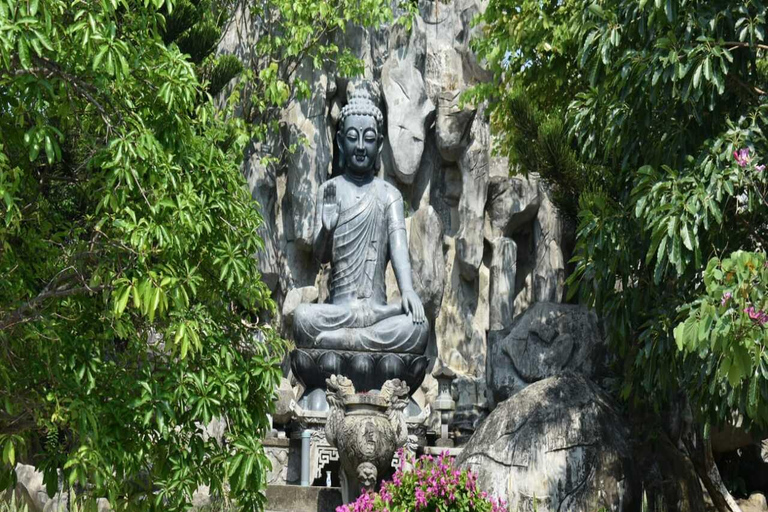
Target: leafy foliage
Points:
(728, 321)
(662, 104)
(430, 484)
(291, 40)
(131, 308)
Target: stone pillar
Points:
(306, 441)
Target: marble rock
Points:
(285, 395)
(513, 203)
(561, 442)
(453, 125)
(755, 503)
(425, 243)
(474, 179)
(31, 487)
(262, 182)
(503, 275)
(549, 269)
(463, 320)
(544, 341)
(296, 296)
(309, 165)
(409, 109)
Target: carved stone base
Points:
(366, 370)
(366, 429)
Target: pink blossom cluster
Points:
(432, 484)
(743, 158)
(758, 316)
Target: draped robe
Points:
(358, 317)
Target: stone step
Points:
(294, 498)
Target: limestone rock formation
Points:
(296, 296)
(545, 341)
(484, 246)
(559, 442)
(408, 107)
(425, 242)
(453, 125)
(309, 165)
(755, 503)
(474, 178)
(503, 276)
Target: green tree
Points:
(650, 131)
(132, 312)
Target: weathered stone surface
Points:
(471, 405)
(309, 165)
(262, 182)
(425, 244)
(503, 275)
(463, 320)
(561, 441)
(292, 498)
(453, 125)
(31, 487)
(549, 272)
(545, 341)
(408, 107)
(513, 203)
(285, 395)
(755, 503)
(296, 296)
(474, 177)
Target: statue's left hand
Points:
(412, 306)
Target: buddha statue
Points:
(360, 227)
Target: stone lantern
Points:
(444, 403)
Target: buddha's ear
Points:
(342, 158)
(338, 140)
(377, 162)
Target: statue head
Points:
(360, 137)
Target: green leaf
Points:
(26, 63)
(686, 236)
(9, 453)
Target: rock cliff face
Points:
(484, 246)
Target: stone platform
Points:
(293, 498)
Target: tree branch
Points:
(20, 315)
(738, 44)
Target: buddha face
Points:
(359, 141)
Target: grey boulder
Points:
(560, 444)
(544, 341)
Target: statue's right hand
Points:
(330, 208)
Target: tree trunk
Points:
(700, 452)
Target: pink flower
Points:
(742, 157)
(421, 498)
(760, 167)
(726, 297)
(758, 316)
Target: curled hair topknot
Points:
(360, 104)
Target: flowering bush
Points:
(432, 485)
(726, 328)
